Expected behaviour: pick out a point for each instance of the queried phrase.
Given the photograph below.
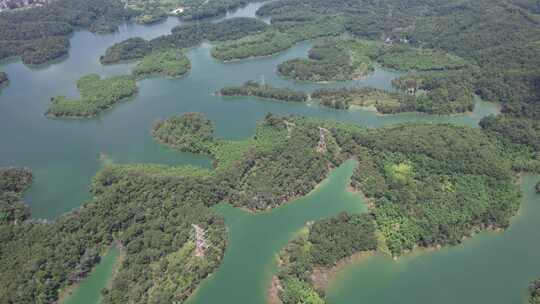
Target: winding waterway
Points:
(65, 154)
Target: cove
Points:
(65, 154)
(255, 239)
(492, 267)
(89, 290)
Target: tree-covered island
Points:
(190, 132)
(97, 95)
(169, 63)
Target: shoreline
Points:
(68, 290)
(49, 115)
(321, 277)
(291, 199)
(272, 296)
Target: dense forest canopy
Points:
(13, 181)
(191, 132)
(169, 63)
(132, 48)
(417, 176)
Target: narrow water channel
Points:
(254, 239)
(89, 290)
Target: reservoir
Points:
(65, 154)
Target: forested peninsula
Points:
(315, 250)
(254, 89)
(168, 63)
(130, 49)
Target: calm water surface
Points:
(65, 154)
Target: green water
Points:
(88, 291)
(65, 154)
(493, 267)
(254, 239)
